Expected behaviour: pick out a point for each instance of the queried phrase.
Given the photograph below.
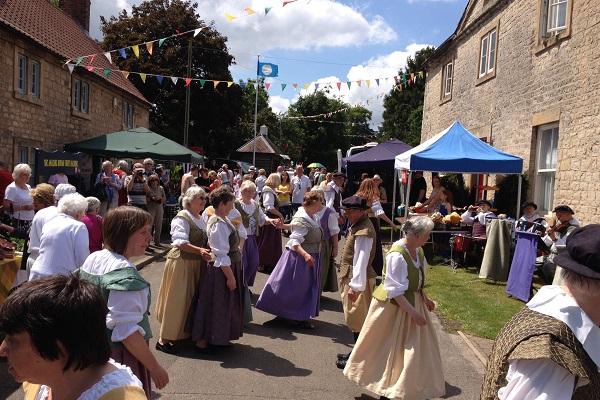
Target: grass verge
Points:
(469, 304)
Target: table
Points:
(8, 272)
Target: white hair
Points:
(247, 185)
(148, 161)
(417, 226)
(73, 204)
(123, 165)
(106, 164)
(21, 169)
(193, 192)
(63, 189)
(93, 204)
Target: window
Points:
(487, 60)
(28, 76)
(128, 111)
(81, 96)
(556, 11)
(447, 84)
(547, 144)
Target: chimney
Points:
(79, 10)
(264, 131)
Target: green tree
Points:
(403, 109)
(214, 113)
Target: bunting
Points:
(248, 11)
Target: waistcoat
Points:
(246, 216)
(415, 275)
(325, 223)
(312, 240)
(234, 239)
(363, 227)
(197, 237)
(535, 336)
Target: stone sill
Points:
(28, 98)
(445, 100)
(81, 115)
(547, 42)
(486, 77)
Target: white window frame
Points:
(128, 115)
(486, 66)
(81, 96)
(448, 79)
(551, 19)
(545, 200)
(22, 74)
(36, 74)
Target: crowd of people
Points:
(78, 279)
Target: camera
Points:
(139, 173)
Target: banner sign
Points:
(48, 163)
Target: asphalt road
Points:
(275, 361)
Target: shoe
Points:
(305, 325)
(168, 348)
(204, 351)
(341, 364)
(343, 357)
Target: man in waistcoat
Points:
(356, 274)
(551, 348)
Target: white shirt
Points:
(125, 308)
(35, 232)
(396, 273)
(530, 218)
(467, 218)
(180, 229)
(260, 183)
(560, 241)
(63, 248)
(57, 179)
(218, 240)
(300, 231)
(20, 197)
(268, 198)
(300, 185)
(250, 209)
(332, 221)
(330, 192)
(544, 379)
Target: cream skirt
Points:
(396, 358)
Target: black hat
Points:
(354, 203)
(564, 208)
(529, 203)
(338, 175)
(583, 252)
(480, 202)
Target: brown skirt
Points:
(269, 247)
(120, 354)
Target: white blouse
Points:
(119, 378)
(180, 228)
(544, 379)
(396, 274)
(20, 197)
(468, 219)
(268, 197)
(235, 218)
(218, 240)
(250, 210)
(332, 221)
(35, 232)
(125, 308)
(377, 209)
(360, 261)
(300, 231)
(64, 246)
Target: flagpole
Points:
(256, 111)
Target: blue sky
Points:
(336, 40)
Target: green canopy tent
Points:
(136, 143)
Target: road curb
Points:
(482, 359)
(142, 262)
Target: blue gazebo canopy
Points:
(457, 150)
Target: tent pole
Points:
(393, 204)
(518, 197)
(408, 194)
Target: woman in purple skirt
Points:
(269, 241)
(218, 315)
(293, 289)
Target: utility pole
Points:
(186, 126)
(256, 111)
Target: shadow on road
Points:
(451, 391)
(262, 361)
(328, 304)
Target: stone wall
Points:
(49, 122)
(532, 86)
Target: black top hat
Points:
(480, 202)
(564, 208)
(354, 203)
(583, 252)
(529, 203)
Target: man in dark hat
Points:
(529, 212)
(356, 275)
(333, 192)
(551, 348)
(556, 238)
(477, 215)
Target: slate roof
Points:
(56, 31)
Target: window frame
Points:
(546, 38)
(128, 115)
(35, 78)
(446, 96)
(547, 10)
(28, 76)
(492, 30)
(22, 75)
(542, 173)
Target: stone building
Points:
(43, 105)
(524, 76)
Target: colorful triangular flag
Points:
(243, 84)
(122, 53)
(283, 85)
(197, 31)
(71, 67)
(78, 60)
(188, 81)
(174, 79)
(339, 85)
(125, 74)
(106, 72)
(306, 85)
(317, 86)
(377, 82)
(92, 59)
(285, 3)
(136, 50)
(267, 85)
(161, 41)
(159, 78)
(150, 47)
(295, 85)
(359, 83)
(349, 84)
(90, 68)
(249, 11)
(108, 57)
(368, 82)
(229, 83)
(230, 17)
(267, 9)
(202, 82)
(143, 77)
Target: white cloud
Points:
(384, 66)
(106, 8)
(279, 104)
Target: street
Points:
(274, 361)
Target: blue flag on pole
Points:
(267, 70)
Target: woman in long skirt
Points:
(369, 190)
(293, 289)
(218, 315)
(269, 240)
(397, 354)
(183, 270)
(328, 219)
(127, 233)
